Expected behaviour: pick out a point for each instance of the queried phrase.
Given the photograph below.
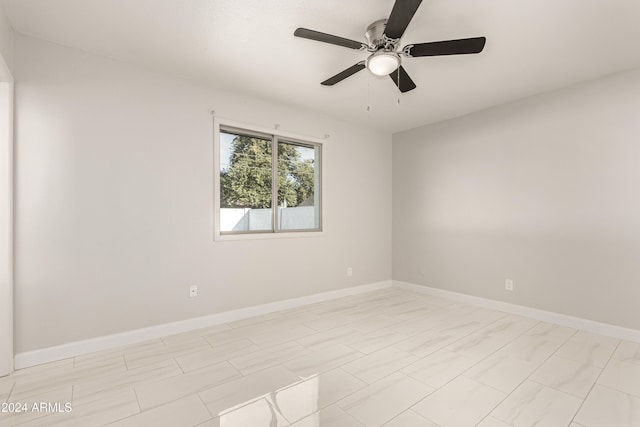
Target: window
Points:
(267, 183)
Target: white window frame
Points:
(286, 137)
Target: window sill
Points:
(262, 236)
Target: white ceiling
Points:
(532, 46)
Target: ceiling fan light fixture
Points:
(383, 63)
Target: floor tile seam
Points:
(587, 362)
(17, 423)
(140, 411)
(507, 315)
(200, 390)
(135, 393)
(576, 331)
(175, 359)
(617, 390)
(332, 368)
(235, 407)
(596, 382)
(163, 357)
(122, 349)
(205, 407)
(490, 386)
(385, 347)
(244, 374)
(521, 383)
(555, 388)
(124, 384)
(306, 324)
(242, 355)
(411, 406)
(578, 361)
(252, 400)
(382, 349)
(186, 342)
(63, 374)
(79, 364)
(320, 347)
(259, 322)
(349, 415)
(541, 364)
(495, 407)
(366, 384)
(10, 392)
(506, 396)
(391, 373)
(435, 389)
(389, 325)
(262, 347)
(445, 384)
(400, 413)
(381, 379)
(485, 357)
(126, 365)
(507, 343)
(207, 338)
(415, 334)
(49, 389)
(537, 323)
(106, 393)
(168, 402)
(622, 362)
(235, 328)
(463, 375)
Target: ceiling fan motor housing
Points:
(375, 35)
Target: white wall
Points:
(6, 218)
(544, 191)
(6, 196)
(114, 202)
(6, 39)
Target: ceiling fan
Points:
(383, 40)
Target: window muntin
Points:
(249, 183)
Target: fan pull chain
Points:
(398, 69)
(368, 96)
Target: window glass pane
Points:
(245, 183)
(298, 187)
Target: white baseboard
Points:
(78, 348)
(545, 316)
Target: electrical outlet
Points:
(349, 271)
(508, 285)
(193, 291)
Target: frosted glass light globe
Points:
(383, 63)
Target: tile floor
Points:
(386, 358)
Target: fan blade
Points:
(326, 38)
(448, 47)
(402, 80)
(344, 74)
(401, 14)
